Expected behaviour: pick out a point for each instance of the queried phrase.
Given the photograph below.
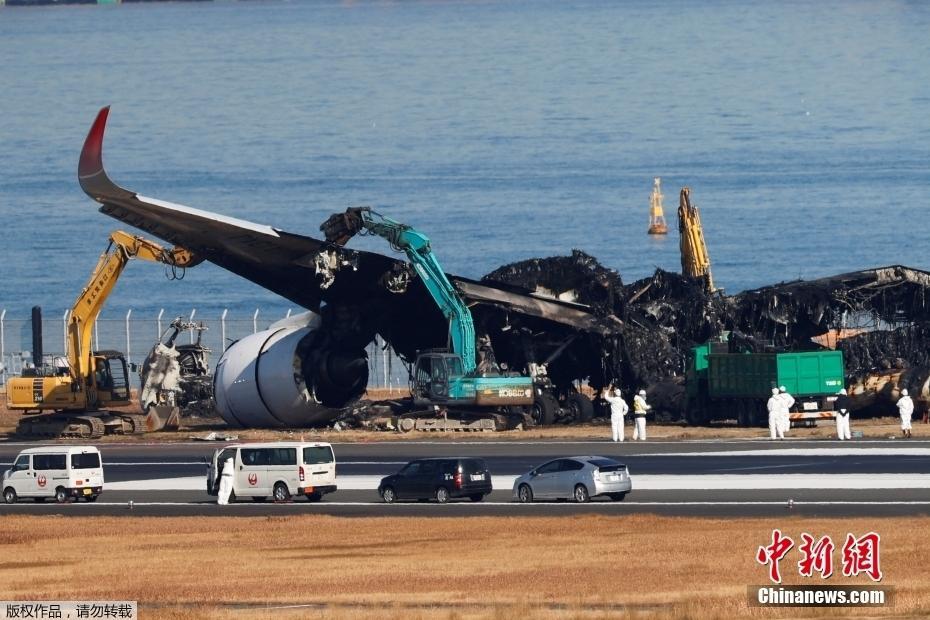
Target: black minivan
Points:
(439, 479)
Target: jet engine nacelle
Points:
(288, 376)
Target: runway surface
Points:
(700, 478)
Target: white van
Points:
(62, 472)
(278, 470)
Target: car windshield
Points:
(604, 463)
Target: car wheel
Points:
(442, 495)
(525, 494)
(581, 494)
(280, 493)
(259, 499)
(314, 497)
(618, 497)
(9, 495)
(476, 498)
(388, 495)
(61, 496)
(91, 498)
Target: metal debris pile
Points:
(882, 316)
(881, 350)
(656, 319)
(638, 335)
(177, 376)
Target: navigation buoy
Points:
(657, 225)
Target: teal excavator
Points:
(440, 377)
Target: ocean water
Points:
(504, 130)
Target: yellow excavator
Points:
(695, 261)
(73, 394)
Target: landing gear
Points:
(545, 408)
(580, 408)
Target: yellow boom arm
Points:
(695, 261)
(122, 248)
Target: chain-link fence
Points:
(136, 333)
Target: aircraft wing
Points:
(272, 258)
(308, 271)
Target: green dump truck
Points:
(724, 386)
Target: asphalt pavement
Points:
(699, 478)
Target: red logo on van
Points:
(41, 481)
(253, 479)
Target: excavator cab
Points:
(433, 374)
(111, 376)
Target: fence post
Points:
(193, 312)
(255, 322)
(128, 343)
(158, 321)
(64, 330)
(384, 364)
(223, 329)
(2, 349)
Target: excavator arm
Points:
(122, 248)
(341, 227)
(695, 261)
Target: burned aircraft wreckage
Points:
(569, 314)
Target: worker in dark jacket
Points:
(841, 406)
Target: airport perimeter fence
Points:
(136, 333)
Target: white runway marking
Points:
(107, 463)
(513, 504)
(714, 482)
(761, 467)
(804, 452)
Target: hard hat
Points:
(774, 391)
(843, 392)
(781, 388)
(642, 392)
(904, 392)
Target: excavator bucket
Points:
(162, 417)
(340, 227)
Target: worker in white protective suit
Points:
(226, 482)
(640, 407)
(618, 411)
(841, 405)
(905, 410)
(773, 405)
(787, 402)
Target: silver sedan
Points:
(578, 477)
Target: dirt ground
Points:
(871, 428)
(481, 567)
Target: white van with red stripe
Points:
(60, 472)
(279, 470)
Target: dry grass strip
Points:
(476, 567)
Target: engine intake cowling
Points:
(288, 376)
